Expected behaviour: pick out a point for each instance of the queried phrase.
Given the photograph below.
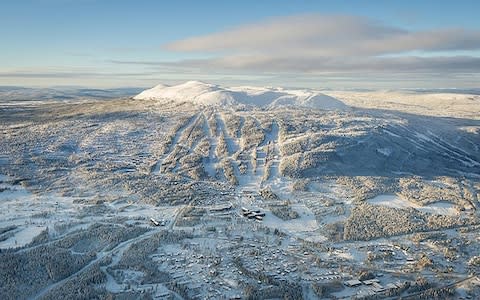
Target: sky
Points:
(315, 44)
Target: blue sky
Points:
(336, 44)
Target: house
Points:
(222, 208)
(353, 283)
(154, 222)
(378, 289)
(371, 281)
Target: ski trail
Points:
(239, 132)
(210, 162)
(186, 144)
(202, 122)
(266, 156)
(273, 155)
(231, 144)
(156, 169)
(461, 155)
(307, 147)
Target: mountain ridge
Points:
(207, 94)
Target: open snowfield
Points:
(434, 103)
(440, 208)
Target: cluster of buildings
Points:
(253, 214)
(158, 223)
(264, 258)
(372, 287)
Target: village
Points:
(241, 243)
(232, 250)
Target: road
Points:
(100, 255)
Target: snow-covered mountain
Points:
(206, 94)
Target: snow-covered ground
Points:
(434, 103)
(22, 237)
(459, 105)
(201, 93)
(304, 226)
(94, 173)
(31, 214)
(395, 201)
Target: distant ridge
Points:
(206, 94)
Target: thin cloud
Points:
(328, 35)
(319, 43)
(135, 62)
(54, 74)
(269, 64)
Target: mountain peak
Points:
(207, 94)
(197, 82)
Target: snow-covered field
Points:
(395, 201)
(435, 103)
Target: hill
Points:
(206, 94)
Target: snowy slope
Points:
(192, 91)
(201, 93)
(436, 103)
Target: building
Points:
(154, 222)
(353, 283)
